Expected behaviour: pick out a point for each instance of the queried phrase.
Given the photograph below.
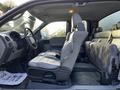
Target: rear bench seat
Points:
(103, 52)
(98, 37)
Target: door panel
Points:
(57, 43)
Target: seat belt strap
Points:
(110, 38)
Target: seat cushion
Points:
(45, 62)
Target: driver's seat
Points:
(49, 68)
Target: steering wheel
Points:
(30, 38)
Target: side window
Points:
(108, 22)
(54, 29)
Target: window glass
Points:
(19, 24)
(54, 29)
(107, 22)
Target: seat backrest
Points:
(92, 47)
(102, 36)
(72, 46)
(99, 29)
(102, 52)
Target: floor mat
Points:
(7, 78)
(45, 86)
(85, 78)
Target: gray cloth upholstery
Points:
(70, 54)
(102, 56)
(76, 22)
(51, 53)
(103, 53)
(46, 62)
(107, 54)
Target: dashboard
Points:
(12, 46)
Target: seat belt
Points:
(92, 34)
(110, 38)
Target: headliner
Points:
(89, 11)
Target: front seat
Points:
(49, 68)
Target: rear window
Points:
(108, 22)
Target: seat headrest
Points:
(114, 27)
(99, 29)
(76, 19)
(76, 22)
(118, 25)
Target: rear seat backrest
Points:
(102, 36)
(93, 47)
(103, 51)
(98, 37)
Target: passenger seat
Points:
(51, 68)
